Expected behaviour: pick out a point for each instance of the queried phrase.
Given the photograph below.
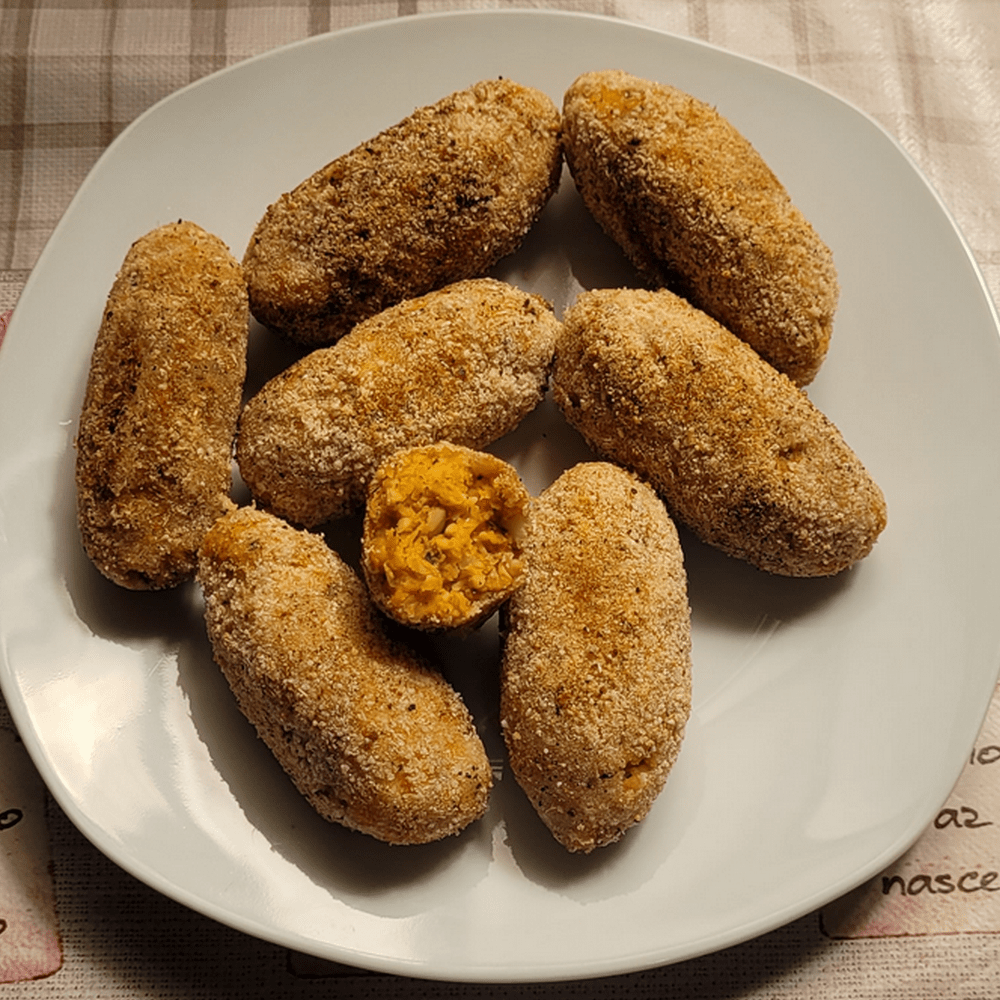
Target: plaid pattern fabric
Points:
(74, 73)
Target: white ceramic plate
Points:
(831, 717)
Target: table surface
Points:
(73, 74)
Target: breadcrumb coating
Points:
(154, 445)
(696, 209)
(596, 669)
(462, 364)
(443, 528)
(437, 198)
(373, 737)
(739, 453)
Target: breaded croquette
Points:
(739, 453)
(437, 198)
(372, 736)
(443, 528)
(463, 364)
(154, 445)
(596, 670)
(697, 210)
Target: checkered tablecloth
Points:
(73, 74)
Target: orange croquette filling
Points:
(447, 536)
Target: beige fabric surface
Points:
(74, 73)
